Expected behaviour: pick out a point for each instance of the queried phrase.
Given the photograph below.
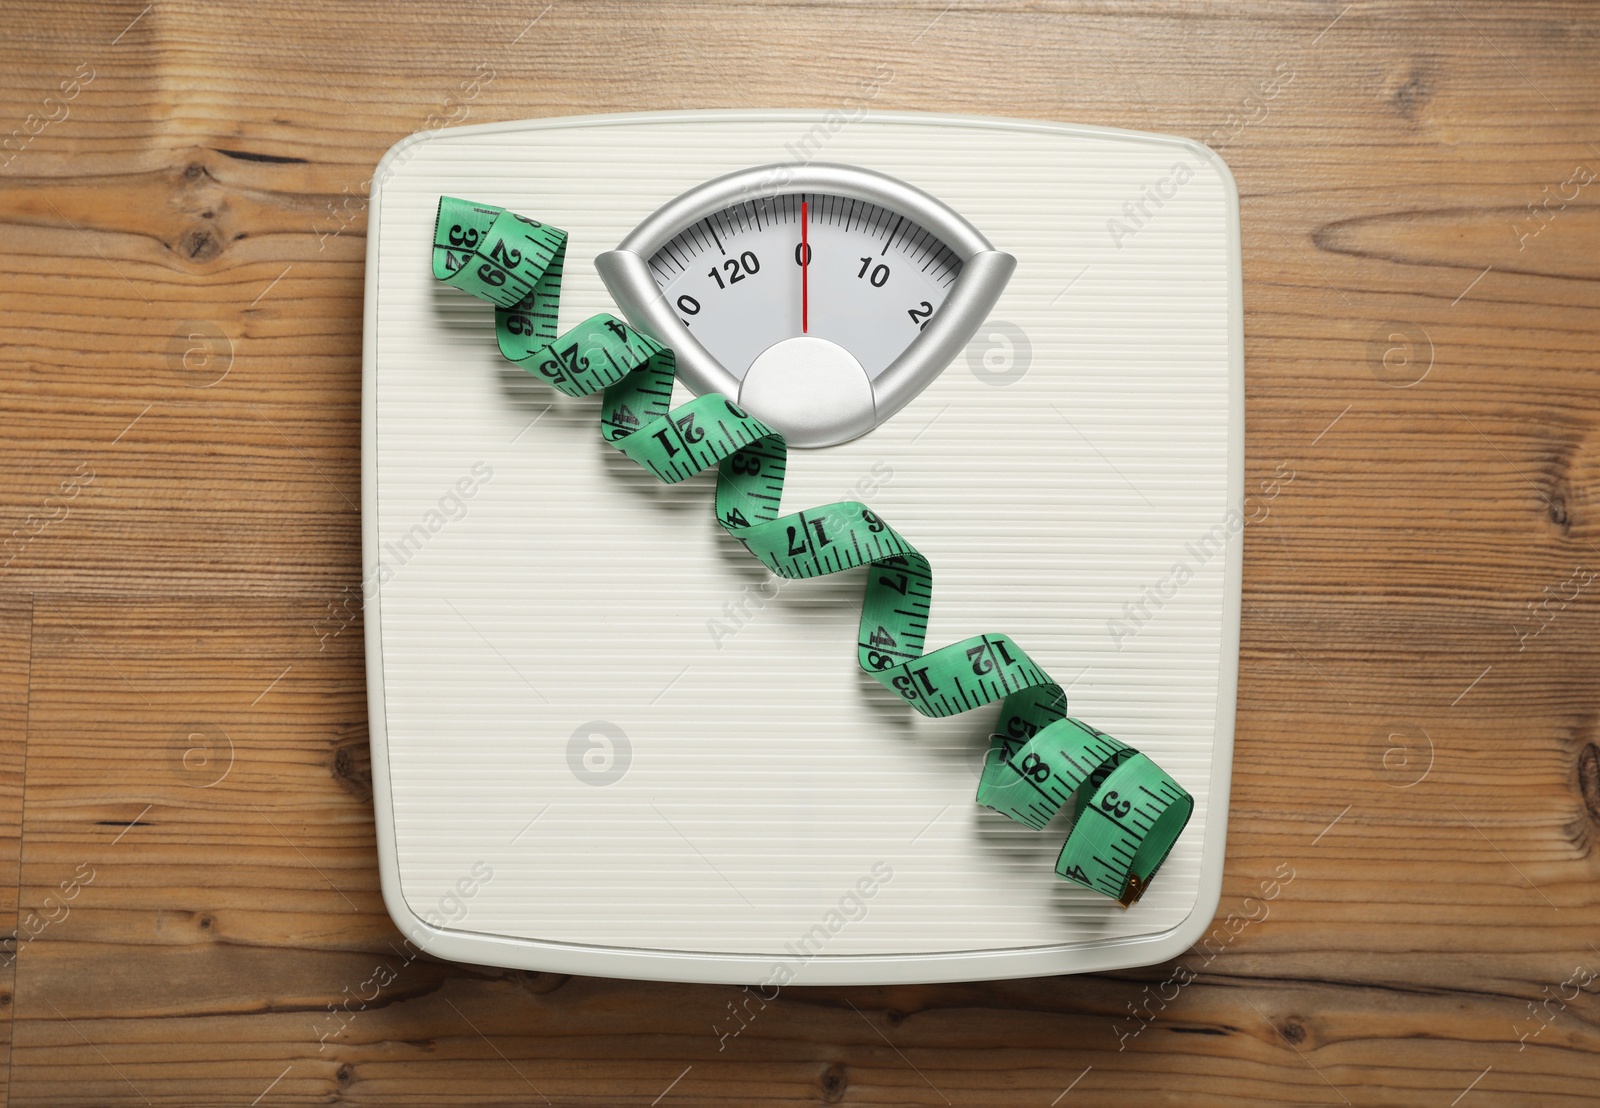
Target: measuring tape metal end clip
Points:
(1128, 812)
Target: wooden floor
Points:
(185, 804)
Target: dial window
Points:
(867, 278)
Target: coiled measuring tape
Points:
(1128, 811)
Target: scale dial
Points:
(823, 298)
(873, 278)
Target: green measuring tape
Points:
(1128, 812)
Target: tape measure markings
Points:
(1040, 759)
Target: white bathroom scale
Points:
(605, 739)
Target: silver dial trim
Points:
(984, 274)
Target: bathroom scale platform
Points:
(608, 741)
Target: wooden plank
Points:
(1417, 723)
(16, 633)
(197, 769)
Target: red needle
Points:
(805, 266)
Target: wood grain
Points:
(16, 629)
(1416, 768)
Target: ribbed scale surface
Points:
(768, 774)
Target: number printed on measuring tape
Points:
(1128, 812)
